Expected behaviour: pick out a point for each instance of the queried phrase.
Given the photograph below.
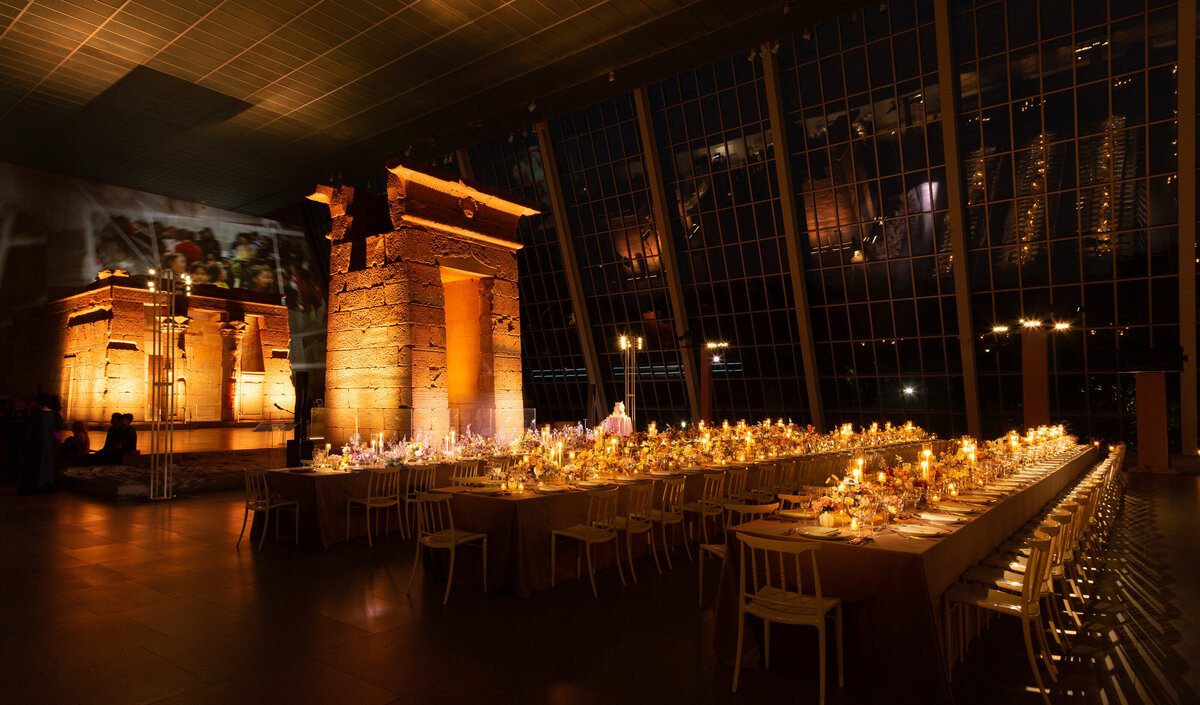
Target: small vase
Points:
(826, 519)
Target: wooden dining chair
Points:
(670, 513)
(739, 514)
(421, 478)
(600, 528)
(772, 588)
(636, 520)
(735, 485)
(436, 530)
(710, 506)
(1023, 605)
(768, 484)
(259, 499)
(383, 492)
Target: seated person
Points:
(114, 442)
(76, 448)
(130, 445)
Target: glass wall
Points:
(1068, 145)
(714, 139)
(1068, 136)
(863, 115)
(598, 151)
(554, 377)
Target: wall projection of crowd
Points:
(249, 262)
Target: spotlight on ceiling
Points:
(1062, 326)
(999, 329)
(1032, 324)
(908, 391)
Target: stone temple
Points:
(424, 324)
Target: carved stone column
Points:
(231, 365)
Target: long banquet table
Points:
(891, 592)
(519, 526)
(323, 496)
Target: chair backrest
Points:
(637, 503)
(747, 512)
(777, 564)
(602, 509)
(768, 479)
(714, 483)
(789, 475)
(433, 513)
(672, 496)
(256, 486)
(1037, 573)
(735, 483)
(469, 468)
(384, 483)
(420, 479)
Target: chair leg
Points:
(947, 610)
(653, 550)
(1049, 661)
(416, 562)
(1037, 674)
(368, 510)
(629, 555)
(820, 662)
(737, 659)
(620, 571)
(591, 573)
(245, 516)
(266, 522)
(450, 575)
(766, 643)
(686, 547)
(837, 633)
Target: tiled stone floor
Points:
(137, 602)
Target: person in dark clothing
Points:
(130, 445)
(44, 424)
(75, 449)
(114, 443)
(16, 436)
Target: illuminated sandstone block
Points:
(423, 298)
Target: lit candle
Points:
(925, 470)
(882, 477)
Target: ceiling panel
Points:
(328, 87)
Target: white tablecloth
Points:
(619, 425)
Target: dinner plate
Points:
(978, 498)
(794, 514)
(629, 479)
(486, 491)
(918, 530)
(661, 473)
(941, 518)
(593, 483)
(823, 533)
(958, 508)
(550, 489)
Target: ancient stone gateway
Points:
(424, 323)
